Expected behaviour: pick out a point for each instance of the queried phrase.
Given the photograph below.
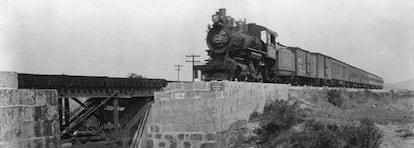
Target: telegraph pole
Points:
(192, 61)
(178, 71)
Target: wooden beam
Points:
(116, 116)
(66, 111)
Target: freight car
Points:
(249, 52)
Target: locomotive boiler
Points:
(249, 52)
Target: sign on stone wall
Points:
(179, 95)
(216, 86)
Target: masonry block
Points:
(186, 144)
(209, 145)
(150, 143)
(173, 145)
(8, 79)
(196, 137)
(210, 137)
(29, 118)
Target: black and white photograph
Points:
(207, 74)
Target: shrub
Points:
(406, 132)
(317, 135)
(277, 117)
(135, 76)
(280, 115)
(365, 135)
(254, 116)
(334, 97)
(241, 138)
(323, 138)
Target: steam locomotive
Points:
(249, 52)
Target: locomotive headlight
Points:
(215, 18)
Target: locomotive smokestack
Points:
(222, 11)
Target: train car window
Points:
(263, 36)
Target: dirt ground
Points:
(400, 132)
(395, 117)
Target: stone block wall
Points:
(199, 114)
(29, 118)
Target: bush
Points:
(323, 138)
(406, 132)
(317, 135)
(277, 117)
(334, 97)
(365, 135)
(254, 116)
(135, 76)
(241, 138)
(280, 115)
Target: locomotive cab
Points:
(267, 37)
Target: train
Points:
(249, 52)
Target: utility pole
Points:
(178, 70)
(192, 61)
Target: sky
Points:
(115, 38)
